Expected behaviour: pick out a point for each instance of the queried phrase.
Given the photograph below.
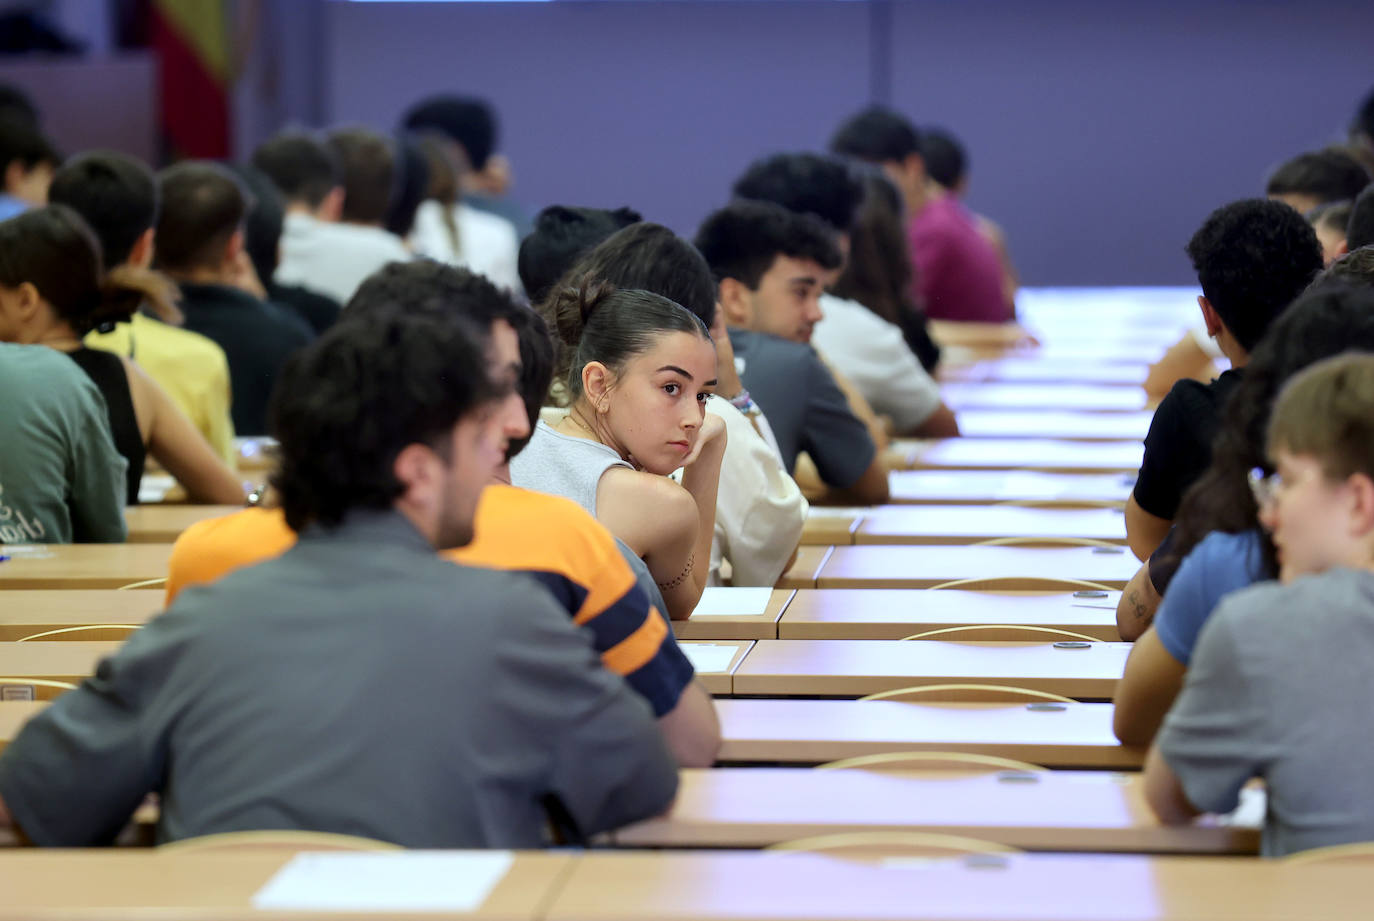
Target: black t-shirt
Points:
(1179, 446)
(316, 309)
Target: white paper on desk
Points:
(26, 551)
(834, 511)
(389, 881)
(707, 658)
(733, 602)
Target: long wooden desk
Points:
(704, 625)
(26, 612)
(990, 487)
(82, 566)
(806, 568)
(855, 668)
(1027, 568)
(829, 527)
(1038, 398)
(716, 680)
(992, 423)
(1033, 370)
(892, 614)
(968, 524)
(1045, 811)
(70, 662)
(138, 883)
(1044, 454)
(767, 886)
(163, 524)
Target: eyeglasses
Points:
(1264, 487)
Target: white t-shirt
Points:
(487, 243)
(873, 354)
(331, 258)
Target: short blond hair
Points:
(1327, 412)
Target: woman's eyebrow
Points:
(676, 370)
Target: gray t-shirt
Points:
(562, 465)
(1280, 687)
(805, 407)
(337, 689)
(61, 479)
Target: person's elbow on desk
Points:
(1164, 793)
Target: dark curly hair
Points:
(946, 159)
(561, 234)
(1359, 229)
(651, 257)
(1253, 257)
(1355, 268)
(348, 404)
(876, 135)
(805, 183)
(1327, 321)
(1328, 175)
(743, 239)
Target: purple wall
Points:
(1099, 139)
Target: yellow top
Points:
(189, 366)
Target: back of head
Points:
(876, 135)
(1327, 412)
(878, 272)
(367, 166)
(303, 167)
(203, 205)
(805, 183)
(414, 175)
(1323, 322)
(115, 194)
(466, 121)
(348, 404)
(946, 159)
(16, 103)
(742, 240)
(595, 321)
(1335, 215)
(1362, 126)
(263, 226)
(54, 250)
(1325, 176)
(23, 142)
(1252, 258)
(1355, 268)
(650, 257)
(434, 289)
(1359, 230)
(561, 234)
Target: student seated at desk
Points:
(759, 508)
(1280, 683)
(575, 557)
(640, 370)
(1218, 545)
(336, 688)
(58, 292)
(1252, 258)
(770, 266)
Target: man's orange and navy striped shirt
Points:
(548, 538)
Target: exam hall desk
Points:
(1013, 487)
(94, 614)
(163, 524)
(972, 524)
(83, 566)
(1049, 455)
(990, 567)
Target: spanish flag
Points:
(192, 42)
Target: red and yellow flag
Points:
(192, 38)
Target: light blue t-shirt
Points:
(1218, 565)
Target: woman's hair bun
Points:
(572, 306)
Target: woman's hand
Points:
(712, 434)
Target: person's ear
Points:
(14, 175)
(914, 166)
(736, 302)
(1342, 248)
(331, 208)
(233, 248)
(597, 381)
(416, 469)
(19, 305)
(1362, 511)
(141, 253)
(1210, 316)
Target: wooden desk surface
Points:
(70, 661)
(737, 626)
(769, 886)
(830, 527)
(993, 423)
(1027, 568)
(1044, 454)
(83, 566)
(1032, 397)
(967, 524)
(1046, 811)
(892, 614)
(1033, 370)
(163, 524)
(806, 568)
(26, 612)
(854, 668)
(137, 883)
(1057, 735)
(717, 681)
(987, 487)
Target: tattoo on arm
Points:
(1142, 613)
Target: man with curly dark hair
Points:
(1252, 258)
